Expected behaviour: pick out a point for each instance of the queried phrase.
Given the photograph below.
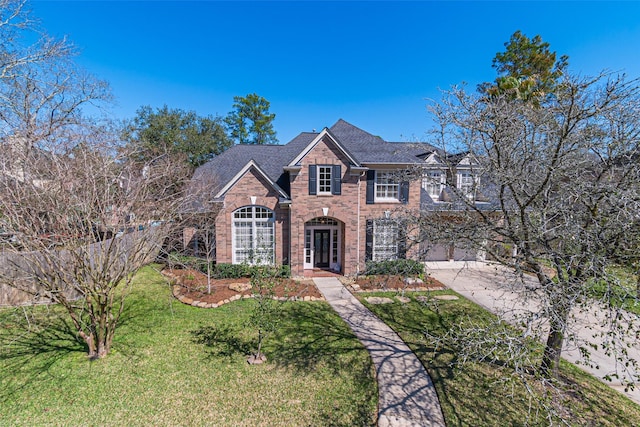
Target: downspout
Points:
(358, 231)
(290, 239)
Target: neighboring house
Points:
(326, 200)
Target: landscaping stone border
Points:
(201, 304)
(356, 288)
(352, 287)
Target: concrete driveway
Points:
(495, 289)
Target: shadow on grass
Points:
(426, 327)
(31, 346)
(221, 341)
(411, 321)
(311, 338)
(313, 335)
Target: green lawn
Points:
(173, 364)
(488, 393)
(621, 292)
(177, 365)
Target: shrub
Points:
(406, 267)
(232, 271)
(235, 271)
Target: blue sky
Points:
(374, 64)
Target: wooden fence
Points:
(20, 271)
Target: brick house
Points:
(326, 200)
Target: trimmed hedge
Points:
(405, 267)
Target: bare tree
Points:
(81, 216)
(563, 176)
(83, 229)
(15, 24)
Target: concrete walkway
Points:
(488, 286)
(406, 396)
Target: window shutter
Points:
(313, 187)
(371, 177)
(368, 247)
(404, 192)
(336, 178)
(402, 240)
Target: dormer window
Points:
(466, 183)
(433, 183)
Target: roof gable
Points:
(251, 165)
(326, 136)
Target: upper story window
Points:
(433, 182)
(387, 186)
(325, 179)
(466, 183)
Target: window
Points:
(387, 186)
(466, 183)
(325, 180)
(384, 187)
(433, 183)
(253, 236)
(386, 240)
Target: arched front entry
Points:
(323, 244)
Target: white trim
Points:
(311, 252)
(320, 181)
(324, 133)
(428, 182)
(390, 228)
(433, 159)
(253, 220)
(377, 199)
(243, 171)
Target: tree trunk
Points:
(552, 352)
(98, 345)
(555, 340)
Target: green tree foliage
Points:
(250, 122)
(527, 69)
(176, 132)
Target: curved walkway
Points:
(406, 396)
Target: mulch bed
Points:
(190, 287)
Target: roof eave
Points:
(325, 133)
(242, 172)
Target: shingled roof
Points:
(368, 149)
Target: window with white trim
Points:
(386, 240)
(387, 187)
(253, 235)
(466, 183)
(324, 179)
(433, 183)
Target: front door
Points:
(321, 248)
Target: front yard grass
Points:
(174, 364)
(489, 394)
